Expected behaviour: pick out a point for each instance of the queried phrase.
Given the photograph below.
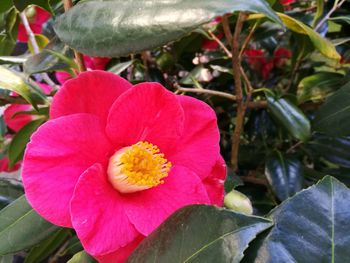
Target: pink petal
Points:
(98, 214)
(122, 254)
(149, 208)
(199, 147)
(214, 183)
(91, 92)
(62, 77)
(147, 112)
(17, 122)
(41, 15)
(58, 153)
(47, 89)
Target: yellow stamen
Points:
(137, 167)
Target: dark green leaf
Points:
(333, 118)
(335, 150)
(8, 34)
(310, 227)
(22, 4)
(21, 227)
(81, 257)
(284, 175)
(48, 246)
(20, 140)
(117, 28)
(290, 117)
(5, 5)
(200, 233)
(47, 61)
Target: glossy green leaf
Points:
(21, 227)
(22, 4)
(333, 118)
(200, 233)
(20, 140)
(120, 67)
(290, 117)
(117, 27)
(81, 257)
(284, 175)
(310, 227)
(318, 86)
(48, 246)
(332, 149)
(13, 81)
(322, 44)
(47, 61)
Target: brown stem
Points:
(294, 72)
(79, 58)
(224, 48)
(209, 92)
(227, 30)
(236, 66)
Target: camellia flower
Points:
(36, 17)
(115, 160)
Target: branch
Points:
(209, 92)
(228, 53)
(236, 67)
(328, 15)
(68, 4)
(36, 49)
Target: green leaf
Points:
(290, 117)
(20, 140)
(11, 60)
(332, 149)
(48, 246)
(5, 5)
(22, 4)
(47, 60)
(284, 175)
(200, 233)
(81, 257)
(8, 34)
(42, 42)
(333, 118)
(318, 86)
(120, 67)
(117, 28)
(9, 191)
(323, 45)
(309, 227)
(7, 259)
(13, 81)
(21, 227)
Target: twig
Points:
(294, 146)
(35, 46)
(248, 38)
(207, 91)
(236, 67)
(294, 72)
(228, 53)
(79, 58)
(227, 30)
(254, 180)
(336, 5)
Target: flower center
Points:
(137, 167)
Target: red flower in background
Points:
(258, 62)
(36, 17)
(4, 165)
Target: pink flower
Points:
(91, 63)
(287, 2)
(4, 165)
(116, 160)
(38, 17)
(16, 122)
